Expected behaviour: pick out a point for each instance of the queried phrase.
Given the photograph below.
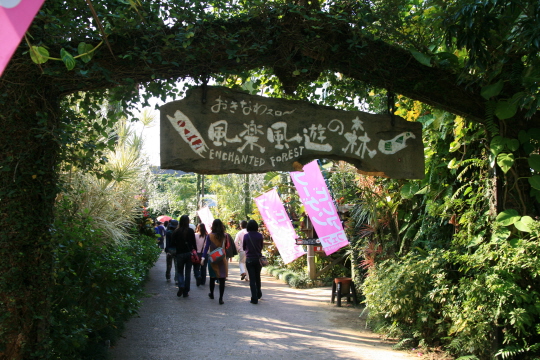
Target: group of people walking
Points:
(181, 241)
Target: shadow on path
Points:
(286, 324)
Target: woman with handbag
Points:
(199, 270)
(183, 239)
(216, 244)
(253, 244)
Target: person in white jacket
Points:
(238, 242)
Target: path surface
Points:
(286, 324)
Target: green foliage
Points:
(405, 296)
(297, 280)
(340, 180)
(173, 195)
(96, 287)
(234, 194)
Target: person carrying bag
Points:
(215, 249)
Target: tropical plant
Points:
(173, 195)
(235, 193)
(97, 285)
(112, 202)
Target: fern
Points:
(491, 126)
(404, 344)
(512, 351)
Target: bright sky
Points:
(151, 133)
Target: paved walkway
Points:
(286, 324)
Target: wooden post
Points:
(312, 270)
(308, 230)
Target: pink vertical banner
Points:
(206, 217)
(15, 18)
(320, 207)
(279, 225)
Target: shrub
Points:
(497, 298)
(299, 281)
(400, 296)
(293, 279)
(97, 284)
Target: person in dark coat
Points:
(183, 239)
(253, 244)
(170, 251)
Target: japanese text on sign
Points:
(320, 207)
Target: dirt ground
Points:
(286, 324)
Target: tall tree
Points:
(477, 59)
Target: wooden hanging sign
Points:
(235, 132)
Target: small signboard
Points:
(235, 132)
(308, 242)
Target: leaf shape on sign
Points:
(505, 109)
(491, 90)
(524, 224)
(535, 181)
(67, 58)
(505, 161)
(422, 58)
(39, 54)
(508, 217)
(534, 162)
(85, 49)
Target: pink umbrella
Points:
(163, 218)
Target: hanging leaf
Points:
(534, 162)
(454, 146)
(512, 144)
(453, 164)
(497, 145)
(524, 224)
(85, 49)
(68, 59)
(39, 54)
(505, 109)
(505, 161)
(447, 58)
(535, 181)
(422, 58)
(408, 190)
(476, 240)
(508, 217)
(523, 137)
(500, 235)
(491, 90)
